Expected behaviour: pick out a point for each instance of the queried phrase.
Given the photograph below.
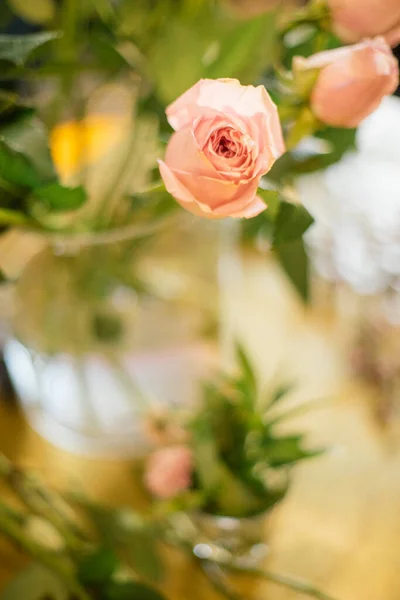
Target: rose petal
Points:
(182, 195)
(254, 208)
(218, 95)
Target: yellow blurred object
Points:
(79, 144)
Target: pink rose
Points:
(227, 136)
(351, 82)
(354, 20)
(169, 471)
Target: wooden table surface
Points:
(340, 524)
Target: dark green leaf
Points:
(290, 224)
(132, 591)
(17, 168)
(293, 259)
(24, 132)
(259, 229)
(107, 328)
(98, 567)
(6, 15)
(18, 48)
(58, 198)
(107, 54)
(34, 583)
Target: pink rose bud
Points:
(351, 81)
(227, 136)
(169, 471)
(354, 20)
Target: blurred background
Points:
(122, 302)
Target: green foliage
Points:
(16, 168)
(35, 583)
(130, 536)
(98, 567)
(57, 198)
(26, 133)
(18, 48)
(281, 228)
(291, 222)
(236, 446)
(294, 261)
(38, 12)
(208, 42)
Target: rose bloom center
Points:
(228, 143)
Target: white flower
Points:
(356, 207)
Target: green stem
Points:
(105, 10)
(13, 217)
(69, 26)
(234, 566)
(38, 500)
(302, 587)
(13, 531)
(218, 580)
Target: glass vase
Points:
(224, 538)
(106, 324)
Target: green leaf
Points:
(272, 200)
(287, 450)
(24, 132)
(98, 567)
(132, 591)
(208, 43)
(34, 583)
(38, 11)
(227, 494)
(340, 141)
(16, 168)
(293, 259)
(107, 54)
(141, 551)
(248, 373)
(58, 198)
(290, 224)
(181, 45)
(279, 393)
(18, 48)
(13, 217)
(245, 49)
(130, 536)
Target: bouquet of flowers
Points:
(228, 459)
